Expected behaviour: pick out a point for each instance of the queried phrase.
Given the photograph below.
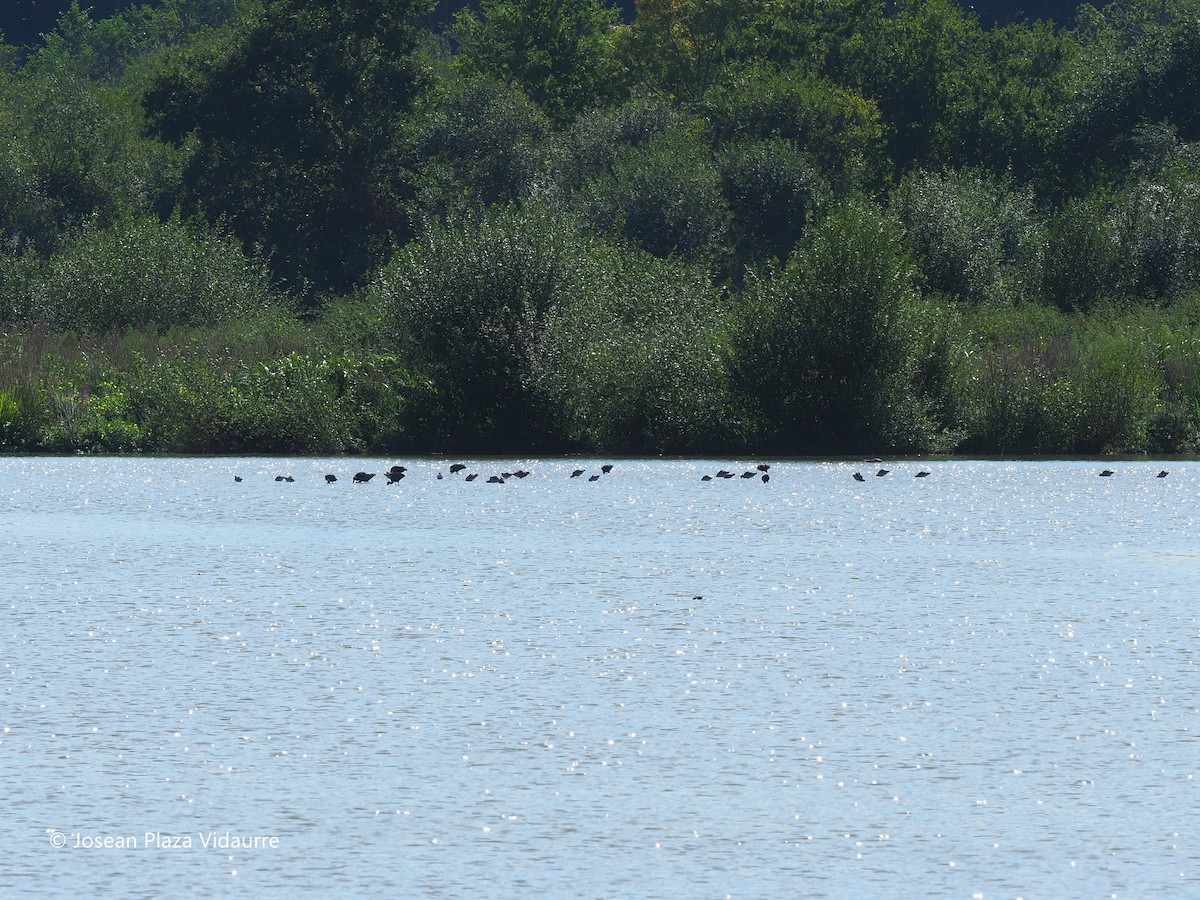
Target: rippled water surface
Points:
(983, 683)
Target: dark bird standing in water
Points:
(858, 476)
(577, 473)
(706, 478)
(1106, 473)
(882, 472)
(237, 477)
(456, 468)
(472, 476)
(765, 477)
(606, 468)
(1163, 474)
(330, 478)
(921, 474)
(594, 478)
(495, 479)
(363, 477)
(393, 476)
(762, 467)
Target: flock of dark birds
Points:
(761, 471)
(397, 473)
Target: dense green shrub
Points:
(483, 143)
(1157, 222)
(664, 195)
(471, 300)
(773, 192)
(838, 130)
(535, 333)
(637, 362)
(140, 271)
(73, 152)
(587, 147)
(826, 346)
(1083, 255)
(972, 236)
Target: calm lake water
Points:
(982, 683)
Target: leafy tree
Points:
(1135, 66)
(917, 78)
(638, 362)
(294, 120)
(678, 47)
(825, 346)
(554, 50)
(837, 129)
(482, 143)
(74, 151)
(773, 191)
(664, 195)
(589, 144)
(471, 299)
(139, 272)
(973, 236)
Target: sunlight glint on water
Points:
(983, 682)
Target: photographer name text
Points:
(161, 840)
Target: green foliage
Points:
(638, 361)
(263, 384)
(483, 143)
(554, 50)
(294, 120)
(1141, 242)
(826, 346)
(587, 147)
(572, 342)
(471, 299)
(140, 271)
(773, 192)
(663, 236)
(664, 195)
(973, 236)
(1083, 254)
(73, 152)
(838, 130)
(1157, 222)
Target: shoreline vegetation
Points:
(702, 229)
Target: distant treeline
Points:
(677, 226)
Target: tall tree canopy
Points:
(294, 119)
